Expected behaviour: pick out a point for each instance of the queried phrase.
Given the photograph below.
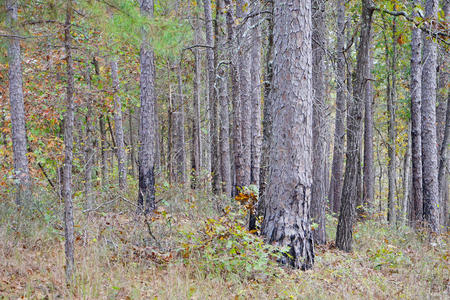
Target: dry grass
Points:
(117, 259)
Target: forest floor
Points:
(194, 248)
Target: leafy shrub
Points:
(223, 246)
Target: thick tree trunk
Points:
(416, 125)
(334, 194)
(147, 130)
(68, 148)
(318, 200)
(368, 173)
(429, 141)
(120, 144)
(19, 134)
(245, 84)
(267, 119)
(344, 232)
(213, 117)
(288, 193)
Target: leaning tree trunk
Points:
(318, 200)
(429, 140)
(214, 141)
(344, 231)
(288, 192)
(147, 130)
(19, 134)
(416, 124)
(334, 194)
(120, 144)
(68, 148)
(245, 84)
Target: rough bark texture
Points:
(213, 117)
(334, 194)
(444, 102)
(288, 192)
(147, 130)
(245, 85)
(225, 163)
(19, 134)
(255, 99)
(443, 167)
(120, 143)
(416, 125)
(235, 96)
(196, 136)
(391, 98)
(132, 150)
(344, 231)
(368, 173)
(429, 140)
(68, 148)
(318, 201)
(267, 119)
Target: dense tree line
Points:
(320, 107)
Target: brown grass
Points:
(117, 259)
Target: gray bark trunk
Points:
(225, 163)
(368, 172)
(196, 125)
(267, 119)
(235, 96)
(344, 232)
(19, 134)
(213, 117)
(68, 149)
(245, 84)
(406, 181)
(147, 130)
(89, 144)
(288, 192)
(334, 194)
(120, 144)
(444, 101)
(255, 99)
(318, 201)
(429, 140)
(132, 150)
(416, 124)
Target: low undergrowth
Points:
(195, 247)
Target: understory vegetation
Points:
(196, 246)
